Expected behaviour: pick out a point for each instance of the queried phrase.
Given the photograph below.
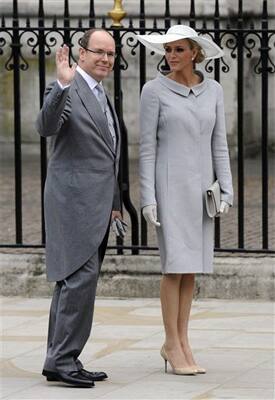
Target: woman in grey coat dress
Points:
(182, 147)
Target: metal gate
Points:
(239, 34)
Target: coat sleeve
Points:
(149, 116)
(55, 110)
(220, 152)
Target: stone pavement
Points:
(233, 340)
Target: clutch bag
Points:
(213, 200)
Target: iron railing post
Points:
(16, 45)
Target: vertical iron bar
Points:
(264, 55)
(92, 15)
(43, 141)
(217, 78)
(192, 15)
(124, 159)
(240, 46)
(67, 39)
(125, 186)
(142, 80)
(118, 108)
(17, 124)
(167, 16)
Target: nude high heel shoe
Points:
(176, 371)
(200, 370)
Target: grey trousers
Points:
(71, 314)
(71, 317)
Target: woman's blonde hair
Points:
(200, 57)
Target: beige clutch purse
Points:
(213, 200)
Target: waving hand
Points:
(65, 73)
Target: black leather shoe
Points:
(50, 376)
(74, 378)
(94, 376)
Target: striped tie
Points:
(102, 99)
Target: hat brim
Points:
(156, 42)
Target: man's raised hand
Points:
(65, 73)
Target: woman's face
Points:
(179, 55)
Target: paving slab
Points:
(234, 340)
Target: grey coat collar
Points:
(92, 106)
(182, 89)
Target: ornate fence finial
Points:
(117, 13)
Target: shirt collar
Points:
(182, 89)
(92, 83)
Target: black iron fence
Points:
(240, 34)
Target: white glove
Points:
(150, 214)
(224, 207)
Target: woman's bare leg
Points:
(186, 297)
(170, 290)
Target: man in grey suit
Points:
(81, 198)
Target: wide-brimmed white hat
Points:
(177, 32)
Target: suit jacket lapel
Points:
(116, 124)
(93, 108)
(118, 135)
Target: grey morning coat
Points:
(183, 142)
(81, 186)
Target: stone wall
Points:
(153, 7)
(139, 276)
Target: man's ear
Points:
(82, 53)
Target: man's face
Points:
(100, 61)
